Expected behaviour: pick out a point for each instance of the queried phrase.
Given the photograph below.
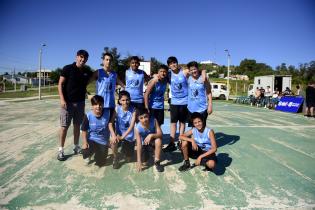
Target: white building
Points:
(145, 66)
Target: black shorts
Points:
(309, 103)
(204, 115)
(99, 150)
(178, 113)
(145, 152)
(158, 114)
(127, 148)
(195, 154)
(137, 105)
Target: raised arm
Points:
(120, 83)
(148, 92)
(209, 95)
(146, 77)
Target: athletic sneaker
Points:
(61, 156)
(158, 166)
(170, 147)
(87, 160)
(115, 163)
(185, 166)
(77, 150)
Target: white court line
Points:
(278, 160)
(291, 147)
(262, 126)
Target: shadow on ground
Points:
(224, 139)
(224, 161)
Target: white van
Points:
(219, 90)
(279, 82)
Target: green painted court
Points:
(266, 159)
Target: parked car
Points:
(219, 90)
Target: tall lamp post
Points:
(40, 71)
(228, 73)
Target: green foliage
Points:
(54, 76)
(155, 64)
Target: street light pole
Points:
(40, 71)
(228, 73)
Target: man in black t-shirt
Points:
(310, 99)
(72, 89)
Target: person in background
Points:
(310, 99)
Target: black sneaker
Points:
(77, 150)
(61, 156)
(185, 166)
(115, 163)
(158, 166)
(170, 147)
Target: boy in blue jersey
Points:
(198, 143)
(178, 108)
(135, 79)
(178, 79)
(125, 123)
(106, 81)
(148, 134)
(199, 93)
(154, 95)
(96, 129)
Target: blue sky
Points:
(271, 32)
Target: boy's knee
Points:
(210, 164)
(184, 144)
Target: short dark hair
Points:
(107, 54)
(84, 53)
(142, 111)
(162, 66)
(135, 58)
(195, 115)
(123, 93)
(97, 100)
(172, 59)
(192, 64)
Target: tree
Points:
(54, 76)
(115, 54)
(155, 64)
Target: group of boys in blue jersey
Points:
(137, 118)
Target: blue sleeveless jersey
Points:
(156, 100)
(134, 85)
(145, 132)
(202, 139)
(105, 87)
(98, 127)
(197, 96)
(123, 120)
(179, 88)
